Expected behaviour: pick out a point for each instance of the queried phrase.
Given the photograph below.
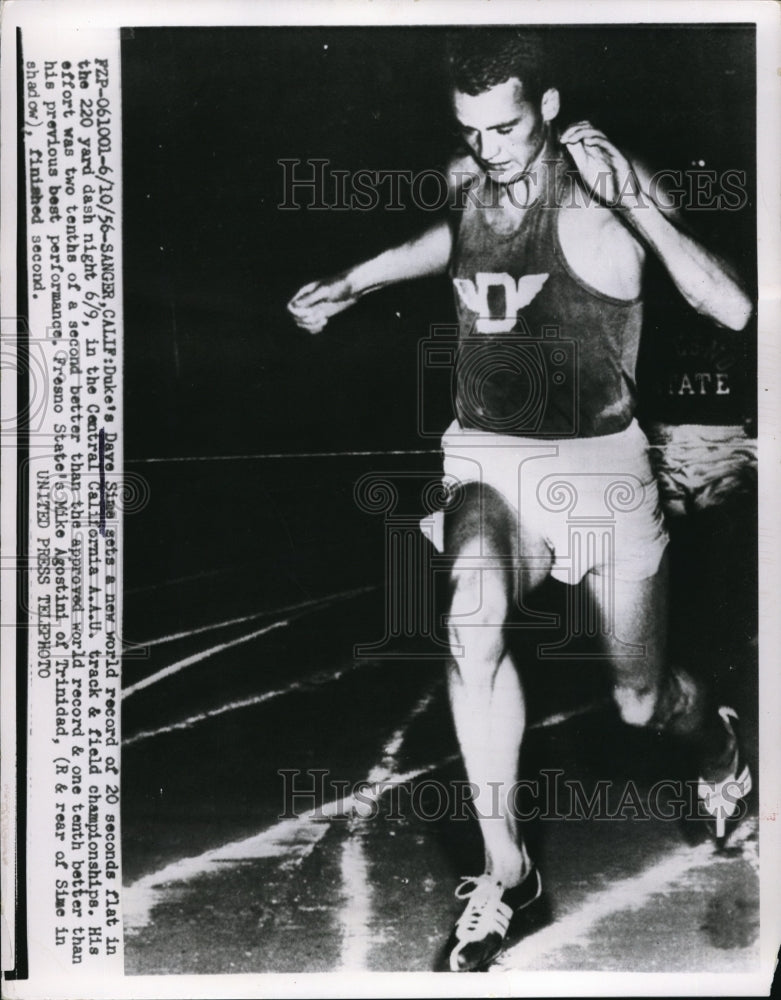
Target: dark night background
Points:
(213, 366)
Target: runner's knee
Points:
(479, 535)
(635, 705)
(478, 611)
(674, 703)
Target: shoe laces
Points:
(485, 913)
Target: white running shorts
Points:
(593, 500)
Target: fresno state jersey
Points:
(541, 353)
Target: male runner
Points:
(554, 233)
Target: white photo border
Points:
(50, 15)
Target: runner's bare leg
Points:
(646, 689)
(485, 691)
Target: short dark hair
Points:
(480, 58)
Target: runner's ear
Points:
(551, 102)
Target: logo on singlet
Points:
(479, 296)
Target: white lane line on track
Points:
(188, 661)
(230, 706)
(558, 717)
(295, 454)
(386, 768)
(204, 574)
(317, 680)
(355, 913)
(342, 595)
(630, 893)
(293, 838)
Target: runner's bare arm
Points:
(706, 281)
(428, 254)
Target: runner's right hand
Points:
(314, 304)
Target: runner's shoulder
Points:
(589, 221)
(599, 247)
(656, 188)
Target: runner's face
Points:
(503, 129)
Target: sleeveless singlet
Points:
(540, 352)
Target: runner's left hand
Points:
(605, 170)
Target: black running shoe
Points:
(484, 927)
(724, 800)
